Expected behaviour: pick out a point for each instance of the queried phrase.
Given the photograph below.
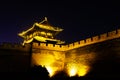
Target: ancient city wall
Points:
(14, 57)
(53, 60)
(101, 58)
(81, 54)
(15, 46)
(96, 39)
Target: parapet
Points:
(15, 46)
(95, 39)
(49, 46)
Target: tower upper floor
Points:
(41, 32)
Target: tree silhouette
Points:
(39, 72)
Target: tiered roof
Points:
(43, 26)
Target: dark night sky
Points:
(79, 20)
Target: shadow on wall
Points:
(106, 68)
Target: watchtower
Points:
(42, 32)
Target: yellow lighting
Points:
(83, 70)
(49, 34)
(77, 69)
(73, 72)
(48, 60)
(43, 33)
(72, 69)
(50, 70)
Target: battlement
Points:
(49, 46)
(96, 39)
(14, 46)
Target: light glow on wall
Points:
(79, 65)
(50, 70)
(53, 61)
(83, 70)
(72, 72)
(74, 69)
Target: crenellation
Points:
(36, 44)
(64, 46)
(8, 45)
(112, 33)
(71, 45)
(42, 52)
(118, 31)
(15, 46)
(57, 46)
(88, 40)
(82, 42)
(103, 36)
(50, 45)
(43, 44)
(95, 38)
(76, 43)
